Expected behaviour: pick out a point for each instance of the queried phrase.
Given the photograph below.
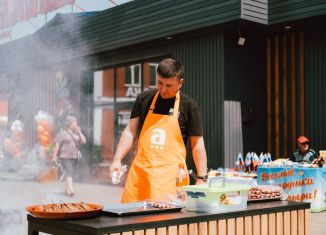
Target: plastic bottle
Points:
(181, 180)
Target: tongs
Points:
(57, 164)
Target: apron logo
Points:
(158, 138)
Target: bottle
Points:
(181, 180)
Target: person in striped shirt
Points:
(303, 153)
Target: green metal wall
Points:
(74, 36)
(256, 11)
(203, 58)
(287, 10)
(315, 88)
(145, 20)
(245, 81)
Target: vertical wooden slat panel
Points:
(279, 223)
(287, 222)
(256, 225)
(277, 97)
(301, 227)
(150, 231)
(248, 225)
(294, 222)
(172, 230)
(212, 228)
(139, 232)
(183, 229)
(285, 96)
(239, 226)
(231, 226)
(202, 228)
(269, 96)
(222, 227)
(293, 92)
(127, 233)
(264, 224)
(307, 222)
(271, 224)
(193, 229)
(302, 95)
(160, 231)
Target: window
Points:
(152, 73)
(133, 75)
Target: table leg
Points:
(31, 231)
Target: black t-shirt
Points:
(190, 119)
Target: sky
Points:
(25, 28)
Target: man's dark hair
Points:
(169, 68)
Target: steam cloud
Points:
(53, 88)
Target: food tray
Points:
(38, 211)
(137, 208)
(265, 193)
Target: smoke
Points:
(41, 76)
(15, 196)
(42, 72)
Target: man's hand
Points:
(116, 166)
(125, 144)
(199, 154)
(200, 181)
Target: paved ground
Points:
(15, 196)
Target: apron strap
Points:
(176, 105)
(175, 108)
(151, 109)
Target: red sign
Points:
(12, 11)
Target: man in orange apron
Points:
(161, 146)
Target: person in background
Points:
(303, 153)
(161, 120)
(67, 150)
(13, 146)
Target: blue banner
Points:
(300, 184)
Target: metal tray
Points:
(136, 208)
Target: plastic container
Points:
(202, 198)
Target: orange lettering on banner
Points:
(303, 196)
(265, 176)
(297, 183)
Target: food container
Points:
(216, 198)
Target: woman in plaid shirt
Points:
(67, 149)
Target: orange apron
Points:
(152, 175)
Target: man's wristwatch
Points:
(203, 178)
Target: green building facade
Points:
(277, 76)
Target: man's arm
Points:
(199, 155)
(125, 144)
